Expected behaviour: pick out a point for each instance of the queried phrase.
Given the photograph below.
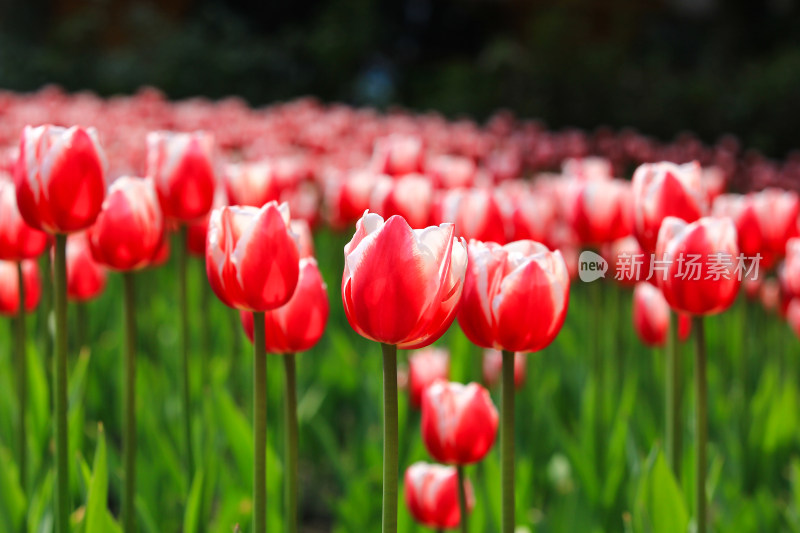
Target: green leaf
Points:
(12, 497)
(660, 506)
(96, 520)
(191, 518)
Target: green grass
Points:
(562, 483)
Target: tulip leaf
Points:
(96, 504)
(191, 518)
(12, 498)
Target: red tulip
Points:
(451, 171)
(588, 168)
(348, 196)
(628, 261)
(398, 154)
(18, 240)
(60, 178)
(476, 213)
(410, 196)
(182, 169)
(431, 493)
(493, 367)
(702, 274)
(130, 228)
(251, 256)
(602, 211)
(86, 278)
(425, 367)
(651, 316)
(790, 272)
(741, 209)
(9, 286)
(459, 422)
(777, 211)
(251, 183)
(196, 233)
(515, 296)
(713, 181)
(533, 215)
(400, 285)
(298, 325)
(662, 190)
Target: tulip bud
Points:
(86, 278)
(18, 240)
(398, 155)
(741, 209)
(710, 244)
(59, 176)
(424, 368)
(181, 167)
(9, 286)
(515, 296)
(476, 213)
(777, 211)
(298, 325)
(130, 228)
(411, 197)
(459, 422)
(662, 190)
(601, 212)
(400, 285)
(431, 494)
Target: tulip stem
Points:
(674, 429)
(390, 454)
(701, 419)
(291, 443)
(462, 498)
(22, 380)
(259, 425)
(507, 443)
(60, 384)
(181, 252)
(129, 413)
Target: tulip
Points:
(253, 265)
(504, 286)
(476, 213)
(182, 169)
(711, 289)
(601, 211)
(451, 171)
(424, 368)
(651, 316)
(348, 196)
(60, 187)
(776, 211)
(411, 197)
(59, 176)
(742, 210)
(86, 278)
(398, 155)
(663, 190)
(129, 230)
(252, 184)
(18, 240)
(432, 495)
(790, 273)
(400, 287)
(493, 367)
(459, 422)
(711, 245)
(294, 327)
(127, 234)
(10, 286)
(252, 257)
(628, 261)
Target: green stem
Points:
(390, 453)
(674, 439)
(181, 252)
(46, 308)
(237, 370)
(701, 399)
(462, 498)
(599, 380)
(508, 522)
(205, 327)
(22, 381)
(60, 384)
(259, 426)
(129, 406)
(291, 443)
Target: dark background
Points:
(710, 66)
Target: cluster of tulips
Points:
(452, 222)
